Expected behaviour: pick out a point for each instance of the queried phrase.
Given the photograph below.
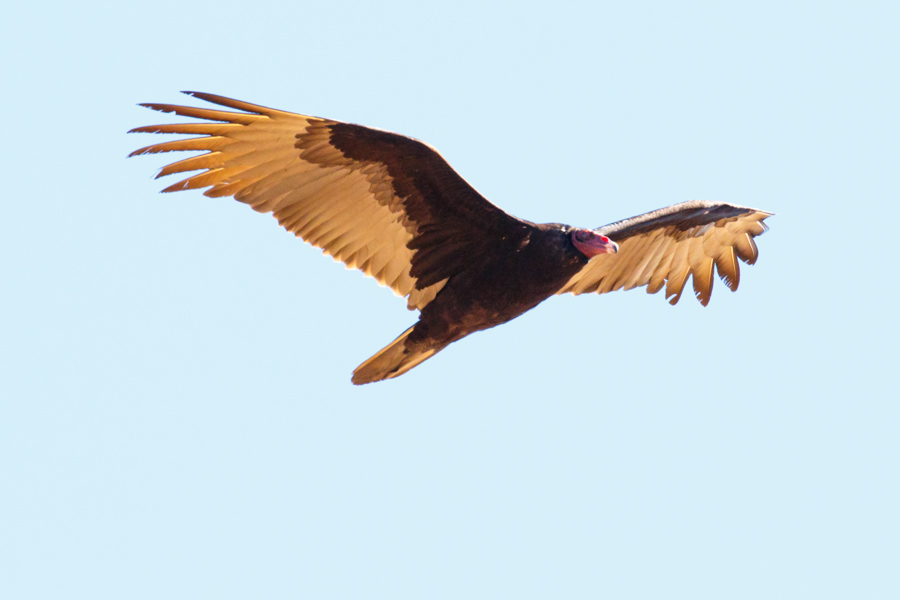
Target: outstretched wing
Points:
(669, 245)
(383, 203)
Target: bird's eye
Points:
(582, 235)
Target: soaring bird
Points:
(392, 207)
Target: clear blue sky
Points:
(176, 415)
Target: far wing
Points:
(669, 245)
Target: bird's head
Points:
(590, 243)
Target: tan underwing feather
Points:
(227, 189)
(625, 263)
(185, 128)
(201, 143)
(702, 277)
(678, 272)
(746, 248)
(642, 276)
(205, 113)
(660, 274)
(729, 271)
(212, 160)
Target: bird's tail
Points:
(393, 360)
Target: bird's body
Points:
(498, 290)
(392, 207)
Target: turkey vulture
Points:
(393, 208)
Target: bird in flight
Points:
(392, 207)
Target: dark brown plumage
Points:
(392, 207)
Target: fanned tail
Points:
(393, 360)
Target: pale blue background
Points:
(177, 419)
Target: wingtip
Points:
(211, 98)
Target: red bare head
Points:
(591, 243)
